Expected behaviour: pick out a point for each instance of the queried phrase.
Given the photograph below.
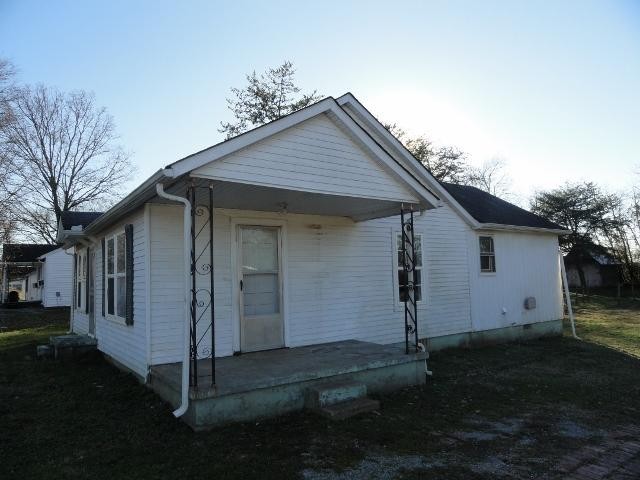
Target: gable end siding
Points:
(314, 156)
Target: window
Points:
(116, 276)
(487, 255)
(416, 275)
(81, 279)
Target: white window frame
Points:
(490, 254)
(397, 268)
(81, 280)
(117, 277)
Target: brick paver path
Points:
(617, 458)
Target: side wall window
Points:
(416, 275)
(487, 255)
(116, 276)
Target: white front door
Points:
(261, 320)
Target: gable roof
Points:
(487, 208)
(25, 252)
(73, 219)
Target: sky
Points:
(551, 87)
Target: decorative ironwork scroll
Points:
(407, 287)
(202, 341)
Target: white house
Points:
(291, 235)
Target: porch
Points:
(275, 382)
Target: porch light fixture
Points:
(283, 208)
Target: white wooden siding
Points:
(527, 265)
(167, 283)
(314, 156)
(340, 279)
(58, 277)
(126, 344)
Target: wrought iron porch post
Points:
(211, 288)
(194, 348)
(409, 276)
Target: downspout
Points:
(567, 296)
(184, 402)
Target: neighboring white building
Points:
(57, 277)
(306, 250)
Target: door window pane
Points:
(259, 250)
(261, 294)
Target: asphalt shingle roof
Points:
(25, 252)
(71, 219)
(487, 208)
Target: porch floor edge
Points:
(273, 368)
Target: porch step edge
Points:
(350, 408)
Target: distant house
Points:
(44, 273)
(313, 248)
(22, 269)
(600, 268)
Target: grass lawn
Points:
(510, 411)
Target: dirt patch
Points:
(375, 467)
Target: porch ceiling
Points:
(240, 196)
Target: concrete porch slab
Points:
(270, 383)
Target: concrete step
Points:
(330, 393)
(72, 346)
(350, 408)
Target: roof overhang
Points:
(520, 229)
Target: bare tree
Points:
(446, 164)
(63, 156)
(8, 192)
(490, 177)
(268, 96)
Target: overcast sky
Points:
(552, 87)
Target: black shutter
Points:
(86, 281)
(104, 275)
(128, 235)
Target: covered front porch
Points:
(275, 382)
(286, 269)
